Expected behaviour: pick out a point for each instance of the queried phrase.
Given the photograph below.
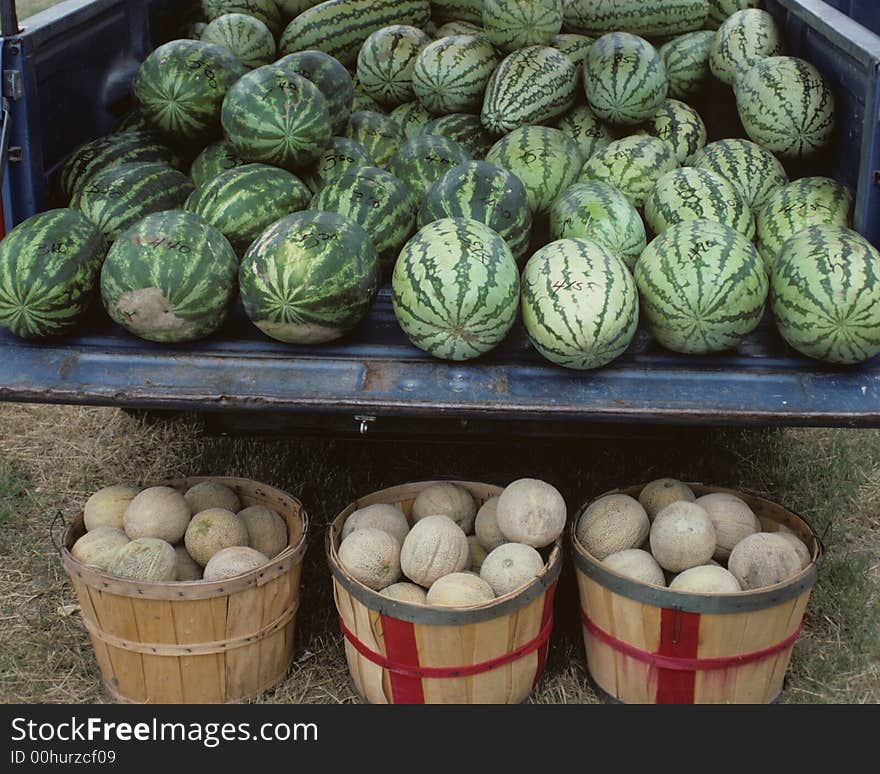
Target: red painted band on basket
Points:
(688, 664)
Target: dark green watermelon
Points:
(329, 75)
(214, 160)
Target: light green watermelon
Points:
(661, 18)
(385, 63)
(464, 128)
(450, 74)
(513, 24)
(267, 11)
(582, 126)
(681, 126)
(743, 40)
(686, 58)
(247, 37)
(380, 135)
(411, 117)
(720, 10)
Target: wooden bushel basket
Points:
(403, 653)
(646, 644)
(195, 642)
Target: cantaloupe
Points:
(447, 499)
(158, 512)
(434, 547)
(732, 518)
(106, 507)
(478, 553)
(763, 559)
(511, 566)
(459, 589)
(661, 492)
(233, 561)
(210, 494)
(486, 525)
(145, 559)
(213, 530)
(380, 516)
(682, 536)
(403, 591)
(532, 512)
(371, 556)
(799, 546)
(706, 579)
(636, 564)
(612, 523)
(187, 567)
(97, 547)
(266, 530)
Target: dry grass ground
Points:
(52, 458)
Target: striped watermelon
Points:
(450, 74)
(743, 40)
(633, 165)
(121, 196)
(720, 10)
(340, 155)
(340, 27)
(273, 116)
(385, 63)
(169, 278)
(753, 171)
(380, 135)
(697, 194)
(681, 126)
(424, 159)
(457, 10)
(686, 59)
(513, 24)
(266, 11)
(110, 151)
(602, 214)
(362, 101)
(411, 117)
(810, 201)
(531, 86)
(245, 36)
(455, 289)
(544, 159)
(459, 28)
(214, 160)
(703, 287)
(375, 200)
(180, 88)
(585, 130)
(648, 19)
(575, 47)
(330, 77)
(624, 79)
(243, 202)
(49, 268)
(132, 121)
(310, 278)
(464, 128)
(825, 295)
(481, 191)
(580, 305)
(786, 106)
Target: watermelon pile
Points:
(491, 160)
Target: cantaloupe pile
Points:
(454, 551)
(714, 544)
(160, 534)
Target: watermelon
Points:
(121, 196)
(276, 117)
(721, 10)
(754, 172)
(459, 28)
(266, 11)
(624, 79)
(411, 117)
(482, 191)
(633, 165)
(379, 134)
(580, 305)
(582, 127)
(697, 194)
(786, 106)
(660, 18)
(385, 63)
(575, 47)
(328, 74)
(810, 201)
(825, 295)
(457, 10)
(455, 289)
(362, 101)
(513, 24)
(681, 126)
(132, 121)
(375, 200)
(743, 40)
(247, 37)
(171, 277)
(599, 213)
(703, 287)
(242, 202)
(450, 74)
(544, 159)
(340, 27)
(686, 59)
(464, 128)
(213, 160)
(531, 86)
(181, 86)
(310, 278)
(423, 159)
(49, 268)
(340, 155)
